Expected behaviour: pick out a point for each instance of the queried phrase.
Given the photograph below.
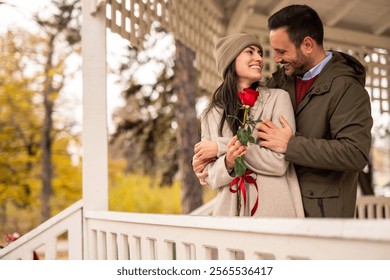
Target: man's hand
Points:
(199, 167)
(206, 149)
(273, 137)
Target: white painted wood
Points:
(95, 163)
(373, 207)
(264, 238)
(112, 246)
(135, 249)
(123, 247)
(51, 248)
(95, 158)
(47, 236)
(117, 235)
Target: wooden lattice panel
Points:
(196, 24)
(377, 66)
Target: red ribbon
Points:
(246, 178)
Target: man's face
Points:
(293, 60)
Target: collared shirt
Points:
(317, 69)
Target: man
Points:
(332, 111)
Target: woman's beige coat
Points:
(279, 194)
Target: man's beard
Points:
(293, 70)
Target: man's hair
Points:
(300, 21)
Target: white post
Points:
(95, 169)
(95, 162)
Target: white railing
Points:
(47, 237)
(116, 235)
(373, 207)
(367, 207)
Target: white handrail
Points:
(46, 235)
(367, 207)
(116, 235)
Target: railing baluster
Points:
(135, 250)
(51, 248)
(387, 211)
(370, 211)
(180, 250)
(201, 252)
(123, 247)
(101, 245)
(163, 250)
(225, 254)
(75, 237)
(148, 250)
(112, 246)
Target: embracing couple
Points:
(294, 147)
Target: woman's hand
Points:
(234, 150)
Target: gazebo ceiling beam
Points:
(243, 11)
(279, 5)
(339, 12)
(382, 24)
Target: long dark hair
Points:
(226, 98)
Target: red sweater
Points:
(301, 88)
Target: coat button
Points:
(325, 87)
(311, 193)
(317, 90)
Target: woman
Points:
(274, 189)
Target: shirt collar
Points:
(318, 68)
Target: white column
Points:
(95, 169)
(95, 136)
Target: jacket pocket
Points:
(320, 190)
(320, 199)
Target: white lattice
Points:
(195, 23)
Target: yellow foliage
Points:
(136, 193)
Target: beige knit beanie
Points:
(226, 49)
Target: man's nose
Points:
(277, 58)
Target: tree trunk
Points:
(3, 217)
(46, 141)
(187, 132)
(47, 169)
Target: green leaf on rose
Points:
(244, 136)
(239, 166)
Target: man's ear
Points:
(307, 44)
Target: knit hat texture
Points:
(227, 48)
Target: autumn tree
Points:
(33, 73)
(62, 33)
(19, 123)
(157, 127)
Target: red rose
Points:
(248, 96)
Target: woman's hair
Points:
(226, 98)
(300, 21)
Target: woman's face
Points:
(249, 64)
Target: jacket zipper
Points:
(321, 205)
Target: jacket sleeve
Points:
(218, 175)
(262, 160)
(348, 145)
